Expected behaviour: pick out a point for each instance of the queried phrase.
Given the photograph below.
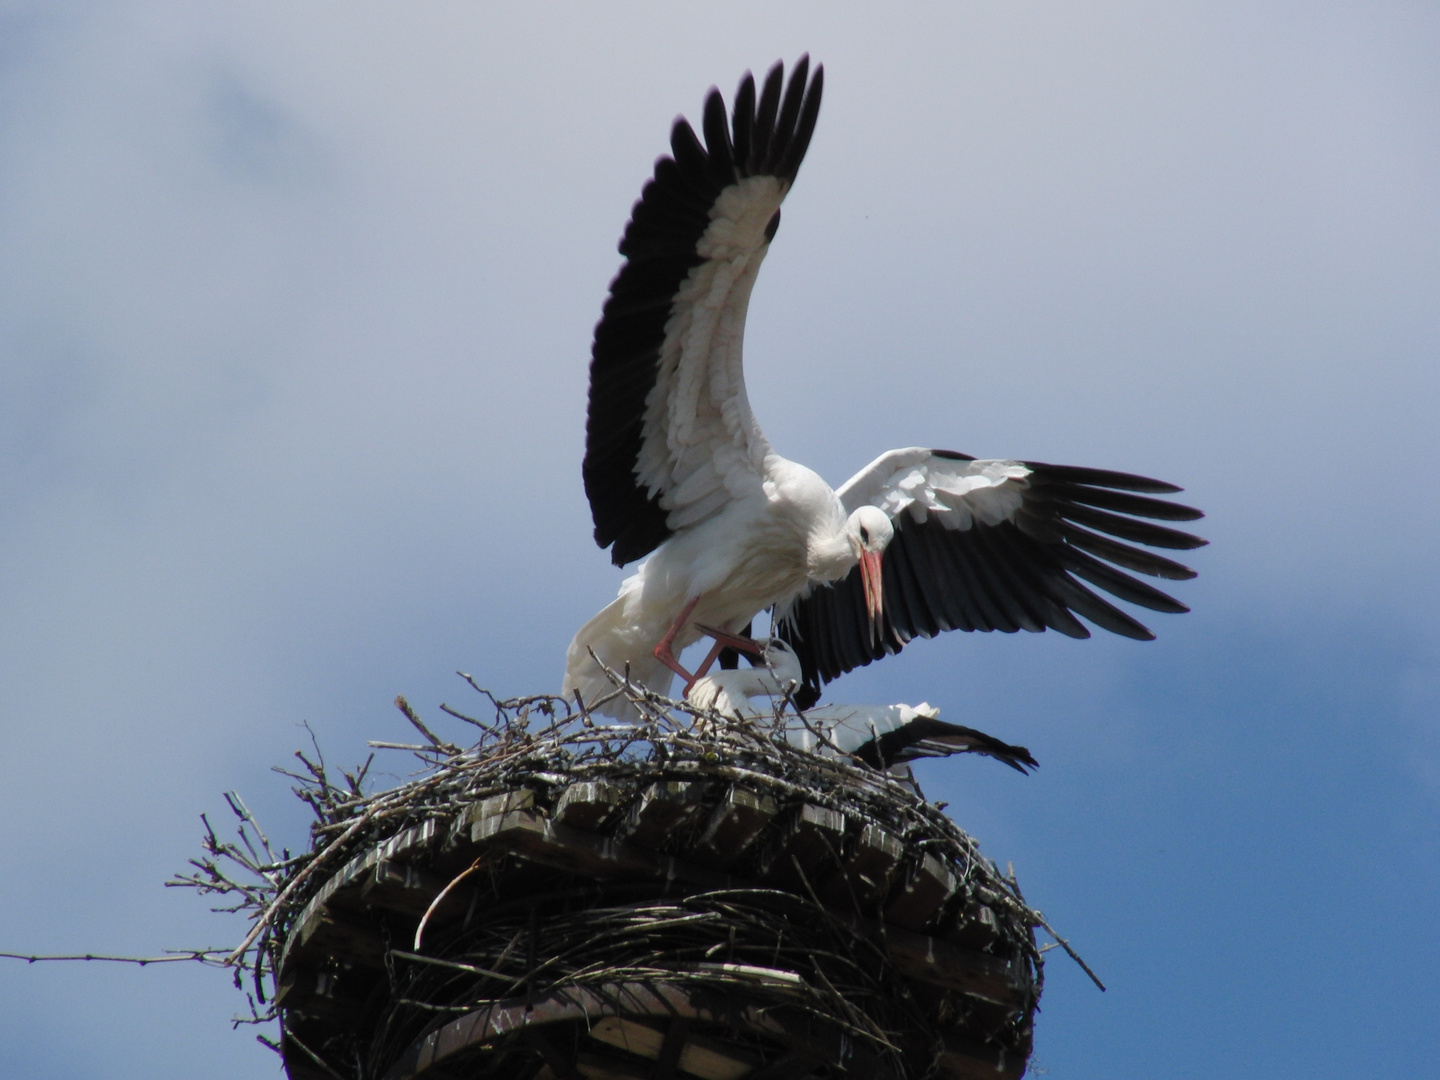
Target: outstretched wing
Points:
(991, 545)
(670, 437)
(928, 736)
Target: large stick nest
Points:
(780, 945)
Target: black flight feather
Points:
(768, 137)
(1028, 572)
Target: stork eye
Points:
(864, 535)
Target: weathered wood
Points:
(793, 1066)
(866, 877)
(976, 927)
(733, 826)
(322, 995)
(962, 1059)
(926, 888)
(668, 1060)
(323, 934)
(895, 897)
(512, 807)
(803, 845)
(588, 805)
(556, 1061)
(594, 1066)
(518, 799)
(405, 889)
(795, 1028)
(916, 955)
(929, 960)
(590, 1066)
(588, 854)
(696, 1055)
(663, 808)
(350, 876)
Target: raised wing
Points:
(670, 438)
(991, 545)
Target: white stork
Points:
(677, 468)
(882, 736)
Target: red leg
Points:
(723, 639)
(663, 651)
(709, 659)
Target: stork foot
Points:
(724, 639)
(664, 652)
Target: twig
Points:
(295, 883)
(1040, 920)
(478, 864)
(414, 718)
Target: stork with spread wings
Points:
(677, 469)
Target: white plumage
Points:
(884, 736)
(676, 466)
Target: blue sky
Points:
(295, 307)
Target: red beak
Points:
(874, 590)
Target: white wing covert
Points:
(670, 437)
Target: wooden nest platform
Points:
(682, 897)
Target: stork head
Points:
(780, 660)
(870, 532)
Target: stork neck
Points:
(831, 555)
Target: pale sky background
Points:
(295, 311)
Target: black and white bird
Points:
(882, 736)
(676, 467)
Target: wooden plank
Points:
(810, 839)
(348, 878)
(796, 1028)
(668, 1060)
(402, 888)
(322, 995)
(588, 805)
(865, 879)
(793, 1066)
(663, 808)
(733, 826)
(712, 1060)
(927, 886)
(976, 927)
(511, 822)
(517, 799)
(962, 1059)
(555, 1059)
(697, 1056)
(589, 854)
(325, 935)
(514, 808)
(930, 960)
(916, 955)
(603, 1067)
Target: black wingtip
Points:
(1107, 478)
(1022, 762)
(717, 139)
(765, 135)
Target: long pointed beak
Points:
(870, 574)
